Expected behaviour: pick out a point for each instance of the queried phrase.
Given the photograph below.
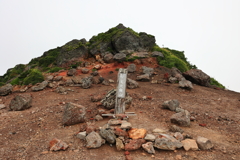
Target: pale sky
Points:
(207, 30)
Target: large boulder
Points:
(147, 70)
(109, 100)
(171, 104)
(147, 41)
(108, 135)
(167, 142)
(148, 147)
(119, 57)
(181, 118)
(6, 89)
(73, 114)
(71, 72)
(198, 77)
(144, 78)
(186, 84)
(21, 102)
(176, 73)
(134, 144)
(131, 68)
(204, 143)
(40, 86)
(108, 58)
(74, 49)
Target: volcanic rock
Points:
(94, 140)
(150, 137)
(190, 144)
(144, 78)
(56, 145)
(171, 104)
(73, 114)
(204, 143)
(21, 102)
(134, 144)
(40, 86)
(6, 89)
(174, 128)
(147, 70)
(148, 147)
(108, 58)
(198, 77)
(119, 144)
(120, 57)
(82, 135)
(85, 70)
(185, 84)
(131, 68)
(131, 84)
(108, 135)
(136, 133)
(167, 142)
(157, 54)
(87, 82)
(181, 118)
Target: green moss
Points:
(34, 76)
(216, 83)
(55, 69)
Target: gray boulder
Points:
(82, 135)
(49, 78)
(6, 89)
(167, 142)
(58, 78)
(198, 77)
(94, 140)
(173, 79)
(73, 114)
(174, 128)
(131, 84)
(131, 68)
(40, 86)
(147, 41)
(157, 54)
(108, 135)
(87, 82)
(186, 84)
(108, 58)
(181, 118)
(71, 72)
(144, 78)
(109, 100)
(21, 102)
(147, 70)
(150, 137)
(119, 57)
(61, 90)
(176, 73)
(171, 105)
(85, 70)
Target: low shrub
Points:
(34, 76)
(214, 82)
(55, 69)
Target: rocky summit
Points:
(61, 105)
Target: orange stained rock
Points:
(136, 133)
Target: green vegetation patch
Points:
(214, 82)
(54, 69)
(12, 73)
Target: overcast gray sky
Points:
(207, 30)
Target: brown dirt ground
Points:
(26, 134)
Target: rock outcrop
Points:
(197, 76)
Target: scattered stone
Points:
(87, 82)
(197, 76)
(144, 78)
(94, 140)
(186, 84)
(177, 74)
(158, 130)
(56, 145)
(167, 142)
(119, 144)
(113, 122)
(181, 118)
(111, 80)
(58, 78)
(82, 135)
(73, 114)
(69, 82)
(40, 86)
(2, 106)
(85, 70)
(131, 84)
(120, 57)
(204, 143)
(136, 133)
(150, 137)
(97, 67)
(192, 118)
(108, 58)
(52, 85)
(119, 132)
(171, 104)
(95, 73)
(178, 136)
(178, 109)
(71, 72)
(108, 135)
(6, 89)
(106, 82)
(157, 54)
(109, 100)
(21, 102)
(173, 80)
(148, 147)
(134, 144)
(61, 90)
(190, 144)
(96, 98)
(126, 125)
(131, 68)
(174, 128)
(49, 78)
(147, 70)
(98, 118)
